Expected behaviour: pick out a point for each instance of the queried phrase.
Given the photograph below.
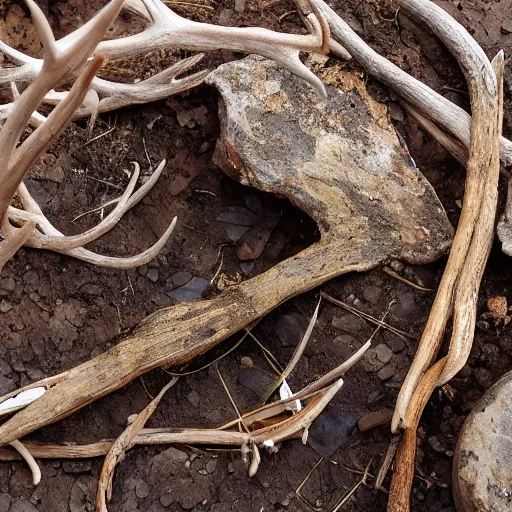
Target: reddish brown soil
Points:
(63, 312)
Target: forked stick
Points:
(483, 90)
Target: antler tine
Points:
(50, 238)
(114, 95)
(168, 29)
(56, 65)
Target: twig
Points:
(298, 491)
(369, 318)
(295, 358)
(117, 451)
(392, 273)
(350, 493)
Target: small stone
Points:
(91, 289)
(374, 397)
(5, 306)
(344, 345)
(386, 372)
(7, 286)
(483, 464)
(5, 502)
(152, 275)
(246, 362)
(374, 419)
(167, 499)
(142, 489)
(247, 267)
(506, 27)
(194, 398)
(77, 466)
(370, 362)
(180, 278)
(397, 266)
(255, 379)
(383, 353)
(372, 294)
(484, 377)
(348, 323)
(330, 430)
(290, 328)
(211, 466)
(23, 506)
(191, 291)
(396, 112)
(394, 342)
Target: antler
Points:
(168, 29)
(29, 226)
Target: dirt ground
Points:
(56, 312)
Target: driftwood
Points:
(332, 175)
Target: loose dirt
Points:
(56, 312)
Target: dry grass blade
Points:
(295, 358)
(121, 444)
(392, 273)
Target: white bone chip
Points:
(285, 392)
(21, 400)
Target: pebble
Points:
(247, 268)
(483, 376)
(394, 342)
(506, 27)
(386, 372)
(5, 306)
(77, 466)
(483, 464)
(330, 430)
(374, 419)
(255, 379)
(191, 291)
(181, 278)
(370, 362)
(7, 286)
(238, 216)
(246, 362)
(372, 294)
(5, 502)
(383, 353)
(142, 489)
(290, 328)
(348, 323)
(167, 499)
(152, 275)
(91, 289)
(344, 346)
(211, 466)
(23, 505)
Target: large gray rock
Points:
(337, 159)
(482, 468)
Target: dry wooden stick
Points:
(118, 449)
(483, 91)
(401, 483)
(466, 294)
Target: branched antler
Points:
(29, 226)
(168, 29)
